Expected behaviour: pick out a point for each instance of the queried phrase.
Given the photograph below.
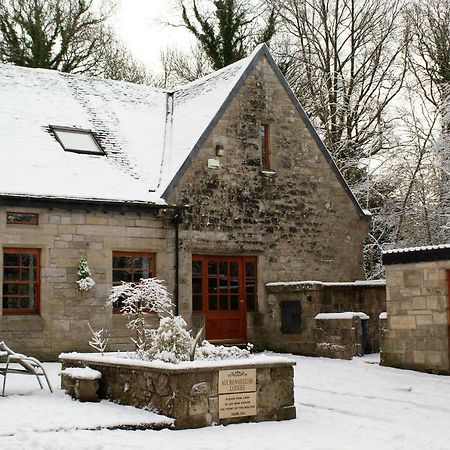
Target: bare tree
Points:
(181, 67)
(430, 63)
(117, 62)
(347, 65)
(430, 46)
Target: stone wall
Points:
(63, 236)
(339, 338)
(317, 297)
(298, 219)
(190, 395)
(417, 317)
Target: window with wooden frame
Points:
(21, 281)
(131, 267)
(217, 280)
(264, 145)
(22, 218)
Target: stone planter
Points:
(256, 389)
(81, 383)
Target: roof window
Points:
(77, 140)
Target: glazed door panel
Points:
(223, 298)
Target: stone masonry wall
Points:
(191, 395)
(338, 338)
(64, 235)
(297, 218)
(417, 317)
(315, 299)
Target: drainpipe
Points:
(177, 219)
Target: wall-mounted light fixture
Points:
(219, 149)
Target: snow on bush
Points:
(85, 281)
(210, 352)
(99, 340)
(138, 300)
(172, 342)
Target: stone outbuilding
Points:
(218, 187)
(416, 332)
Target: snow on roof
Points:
(343, 315)
(416, 249)
(145, 136)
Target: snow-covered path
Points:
(340, 405)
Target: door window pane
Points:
(223, 303)
(212, 302)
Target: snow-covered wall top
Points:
(124, 359)
(343, 315)
(327, 283)
(146, 133)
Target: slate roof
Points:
(408, 255)
(149, 135)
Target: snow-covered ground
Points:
(340, 405)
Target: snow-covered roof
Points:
(146, 133)
(427, 253)
(416, 249)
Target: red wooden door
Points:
(224, 298)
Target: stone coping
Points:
(342, 315)
(111, 359)
(281, 286)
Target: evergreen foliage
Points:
(65, 35)
(172, 342)
(231, 33)
(85, 281)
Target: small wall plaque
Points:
(239, 380)
(22, 218)
(237, 405)
(213, 164)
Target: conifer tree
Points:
(231, 32)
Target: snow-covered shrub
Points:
(208, 351)
(99, 340)
(138, 300)
(172, 342)
(85, 281)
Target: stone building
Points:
(416, 332)
(218, 187)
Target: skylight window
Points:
(77, 141)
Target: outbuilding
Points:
(416, 333)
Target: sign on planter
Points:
(237, 393)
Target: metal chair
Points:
(28, 366)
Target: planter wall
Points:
(190, 393)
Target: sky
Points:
(140, 24)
